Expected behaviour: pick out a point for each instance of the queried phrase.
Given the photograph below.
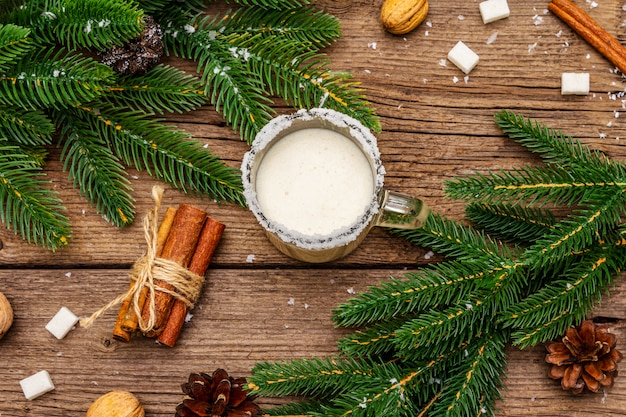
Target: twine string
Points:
(150, 270)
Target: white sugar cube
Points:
(36, 385)
(492, 10)
(463, 57)
(62, 323)
(575, 83)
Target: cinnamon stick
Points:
(207, 244)
(179, 247)
(591, 31)
(127, 320)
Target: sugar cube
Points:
(575, 83)
(36, 385)
(492, 10)
(463, 57)
(62, 323)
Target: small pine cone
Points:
(140, 54)
(585, 357)
(217, 395)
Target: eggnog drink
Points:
(314, 181)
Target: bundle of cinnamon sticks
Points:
(188, 237)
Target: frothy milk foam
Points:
(314, 181)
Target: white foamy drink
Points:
(314, 181)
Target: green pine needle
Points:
(95, 171)
(163, 89)
(14, 44)
(29, 207)
(28, 128)
(97, 24)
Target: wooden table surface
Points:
(437, 124)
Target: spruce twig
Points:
(457, 317)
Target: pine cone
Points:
(585, 357)
(217, 395)
(139, 55)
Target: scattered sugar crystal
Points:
(466, 79)
(36, 385)
(306, 306)
(250, 258)
(559, 33)
(588, 56)
(351, 290)
(443, 62)
(372, 45)
(188, 317)
(575, 83)
(532, 47)
(463, 57)
(491, 39)
(492, 10)
(429, 24)
(537, 20)
(68, 274)
(429, 254)
(62, 323)
(291, 301)
(455, 79)
(593, 5)
(461, 17)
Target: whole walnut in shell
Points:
(6, 315)
(116, 404)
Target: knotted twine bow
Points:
(149, 270)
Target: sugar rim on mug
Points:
(341, 123)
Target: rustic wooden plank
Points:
(437, 124)
(243, 317)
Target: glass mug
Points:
(314, 181)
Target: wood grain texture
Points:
(437, 124)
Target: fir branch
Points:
(167, 153)
(580, 229)
(555, 147)
(97, 24)
(29, 208)
(515, 224)
(95, 171)
(318, 377)
(14, 44)
(453, 239)
(310, 27)
(233, 93)
(162, 89)
(28, 128)
(274, 4)
(443, 284)
(163, 9)
(50, 79)
(547, 313)
(473, 385)
(302, 77)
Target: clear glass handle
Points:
(401, 211)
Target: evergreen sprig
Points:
(54, 92)
(441, 331)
